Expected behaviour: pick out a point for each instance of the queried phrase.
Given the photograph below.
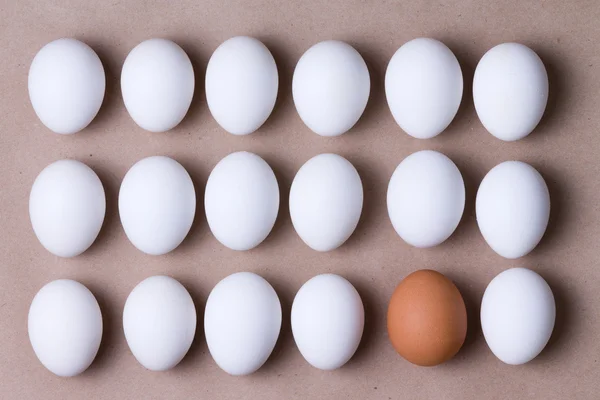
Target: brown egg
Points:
(427, 318)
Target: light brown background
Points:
(564, 148)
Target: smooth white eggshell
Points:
(510, 91)
(242, 321)
(327, 321)
(241, 84)
(426, 198)
(513, 208)
(66, 85)
(517, 315)
(241, 200)
(65, 327)
(159, 321)
(423, 87)
(66, 207)
(326, 200)
(331, 87)
(157, 204)
(157, 83)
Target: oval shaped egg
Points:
(241, 84)
(426, 198)
(159, 321)
(66, 85)
(326, 199)
(517, 315)
(241, 200)
(427, 318)
(423, 87)
(513, 208)
(157, 83)
(66, 207)
(327, 321)
(510, 91)
(242, 321)
(331, 87)
(65, 327)
(157, 204)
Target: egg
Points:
(241, 200)
(423, 87)
(66, 207)
(427, 318)
(326, 199)
(327, 321)
(66, 85)
(65, 327)
(426, 198)
(157, 204)
(241, 84)
(517, 315)
(159, 321)
(157, 83)
(510, 91)
(513, 208)
(242, 321)
(330, 87)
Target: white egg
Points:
(326, 200)
(159, 321)
(426, 198)
(327, 321)
(157, 82)
(513, 208)
(517, 315)
(510, 91)
(157, 204)
(423, 87)
(241, 200)
(66, 85)
(241, 84)
(331, 86)
(65, 327)
(66, 207)
(242, 321)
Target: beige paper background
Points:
(564, 148)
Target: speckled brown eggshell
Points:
(427, 318)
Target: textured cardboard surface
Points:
(564, 148)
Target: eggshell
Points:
(327, 321)
(65, 327)
(510, 91)
(426, 198)
(427, 318)
(66, 207)
(326, 199)
(157, 204)
(423, 87)
(66, 85)
(242, 321)
(241, 84)
(157, 83)
(331, 86)
(159, 321)
(517, 315)
(241, 200)
(513, 208)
